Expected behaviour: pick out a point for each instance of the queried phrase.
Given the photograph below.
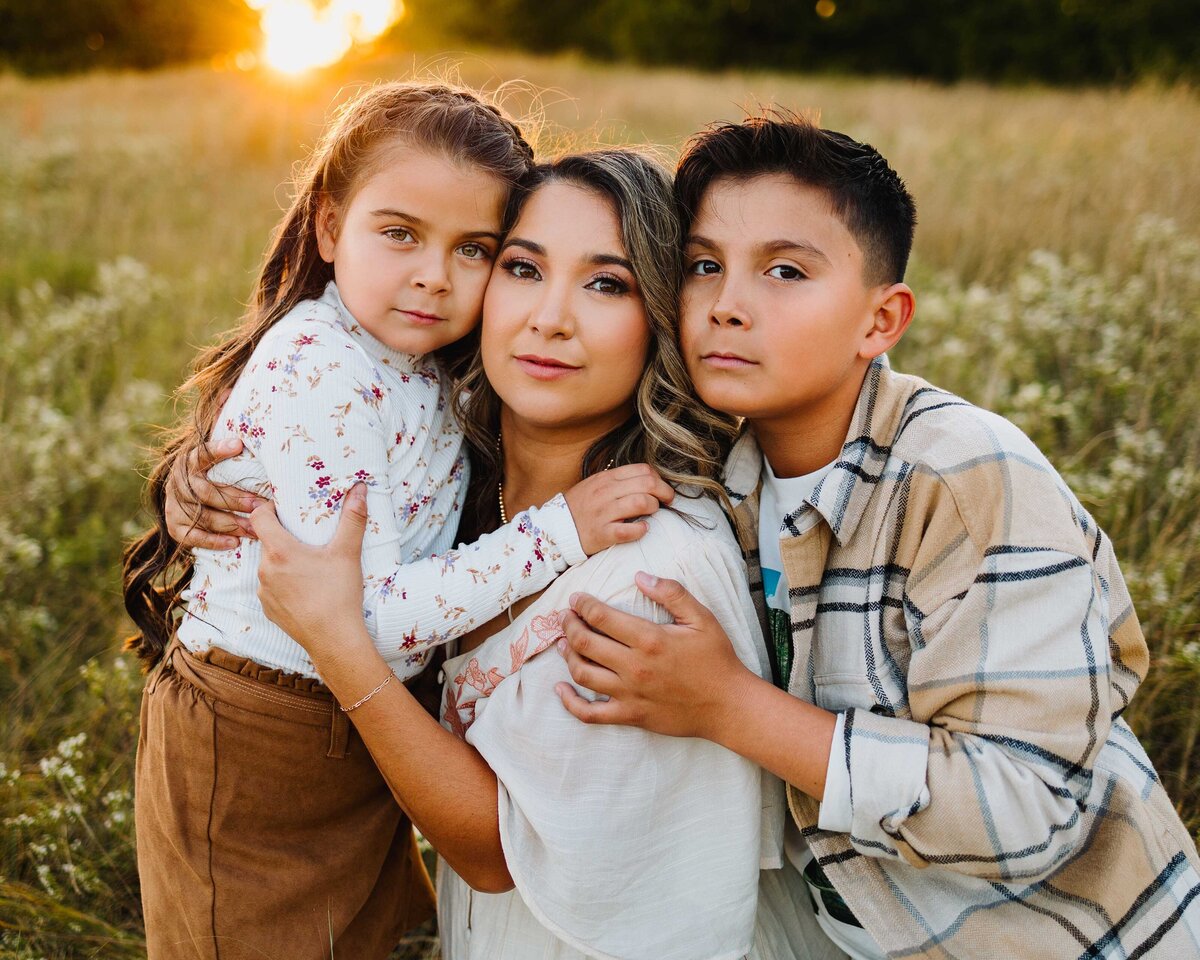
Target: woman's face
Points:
(565, 336)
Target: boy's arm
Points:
(1008, 682)
(638, 665)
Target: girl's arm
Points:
(441, 782)
(317, 416)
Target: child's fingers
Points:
(199, 540)
(601, 711)
(635, 505)
(627, 532)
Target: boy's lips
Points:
(722, 360)
(544, 368)
(421, 318)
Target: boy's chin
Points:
(723, 399)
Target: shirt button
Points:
(441, 676)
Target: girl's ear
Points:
(326, 229)
(893, 312)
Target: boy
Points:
(952, 640)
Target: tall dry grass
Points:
(1058, 276)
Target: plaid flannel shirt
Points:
(952, 597)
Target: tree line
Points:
(1052, 41)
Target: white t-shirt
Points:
(780, 498)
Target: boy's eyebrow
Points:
(802, 246)
(598, 259)
(772, 246)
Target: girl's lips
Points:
(544, 368)
(727, 361)
(422, 319)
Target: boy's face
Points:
(774, 310)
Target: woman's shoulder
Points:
(692, 534)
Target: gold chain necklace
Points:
(500, 482)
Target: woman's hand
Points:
(314, 594)
(200, 513)
(602, 504)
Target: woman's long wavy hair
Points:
(447, 120)
(670, 428)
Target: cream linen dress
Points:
(622, 843)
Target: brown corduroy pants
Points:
(264, 829)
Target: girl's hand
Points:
(314, 594)
(199, 513)
(601, 505)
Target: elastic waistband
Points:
(251, 686)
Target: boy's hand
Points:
(674, 678)
(313, 593)
(199, 513)
(601, 505)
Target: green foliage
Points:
(67, 35)
(1072, 41)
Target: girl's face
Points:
(565, 337)
(413, 249)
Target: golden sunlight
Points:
(298, 35)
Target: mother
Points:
(620, 843)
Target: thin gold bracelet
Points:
(359, 703)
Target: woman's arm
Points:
(444, 786)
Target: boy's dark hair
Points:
(866, 194)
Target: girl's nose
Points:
(431, 274)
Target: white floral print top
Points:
(320, 406)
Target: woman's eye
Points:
(521, 269)
(704, 267)
(399, 234)
(474, 251)
(785, 271)
(610, 285)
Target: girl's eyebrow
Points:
(599, 259)
(387, 213)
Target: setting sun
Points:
(298, 36)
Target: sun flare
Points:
(299, 36)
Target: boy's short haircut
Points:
(866, 194)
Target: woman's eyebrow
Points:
(524, 244)
(610, 259)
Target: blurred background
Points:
(145, 150)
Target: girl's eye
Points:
(399, 234)
(785, 271)
(613, 286)
(474, 251)
(704, 268)
(521, 269)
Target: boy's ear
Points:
(893, 312)
(326, 229)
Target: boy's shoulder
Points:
(944, 432)
(999, 482)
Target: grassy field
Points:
(1058, 280)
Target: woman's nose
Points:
(552, 315)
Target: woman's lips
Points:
(727, 361)
(422, 319)
(544, 368)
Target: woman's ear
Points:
(326, 228)
(893, 313)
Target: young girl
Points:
(263, 827)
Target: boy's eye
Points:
(474, 251)
(704, 267)
(399, 234)
(613, 286)
(785, 271)
(521, 269)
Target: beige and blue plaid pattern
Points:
(951, 595)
